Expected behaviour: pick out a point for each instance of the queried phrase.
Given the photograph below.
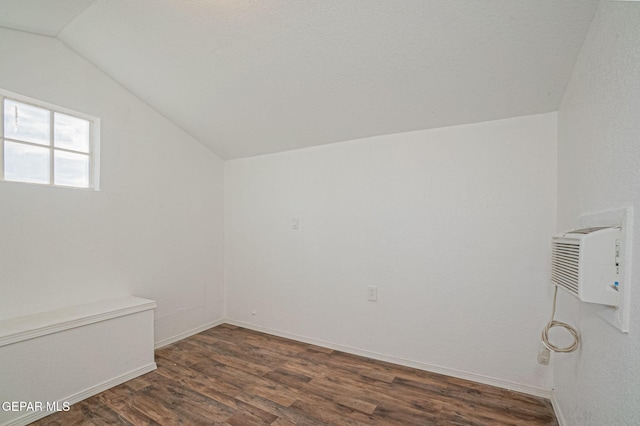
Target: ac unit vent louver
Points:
(585, 263)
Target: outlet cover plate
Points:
(372, 293)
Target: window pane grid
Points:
(45, 146)
(71, 169)
(37, 129)
(25, 122)
(27, 163)
(71, 132)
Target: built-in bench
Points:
(53, 359)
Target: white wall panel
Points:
(598, 162)
(155, 228)
(452, 225)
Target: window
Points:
(47, 144)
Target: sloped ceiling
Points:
(46, 17)
(248, 77)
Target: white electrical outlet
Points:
(372, 293)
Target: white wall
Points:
(155, 229)
(599, 170)
(452, 225)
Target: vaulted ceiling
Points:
(248, 77)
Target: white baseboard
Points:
(169, 340)
(530, 390)
(556, 408)
(77, 397)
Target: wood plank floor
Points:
(233, 376)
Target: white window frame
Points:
(94, 140)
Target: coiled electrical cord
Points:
(554, 323)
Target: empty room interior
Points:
(320, 212)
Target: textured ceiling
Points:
(249, 77)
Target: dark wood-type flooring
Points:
(233, 376)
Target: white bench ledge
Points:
(17, 329)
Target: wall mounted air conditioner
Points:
(586, 263)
